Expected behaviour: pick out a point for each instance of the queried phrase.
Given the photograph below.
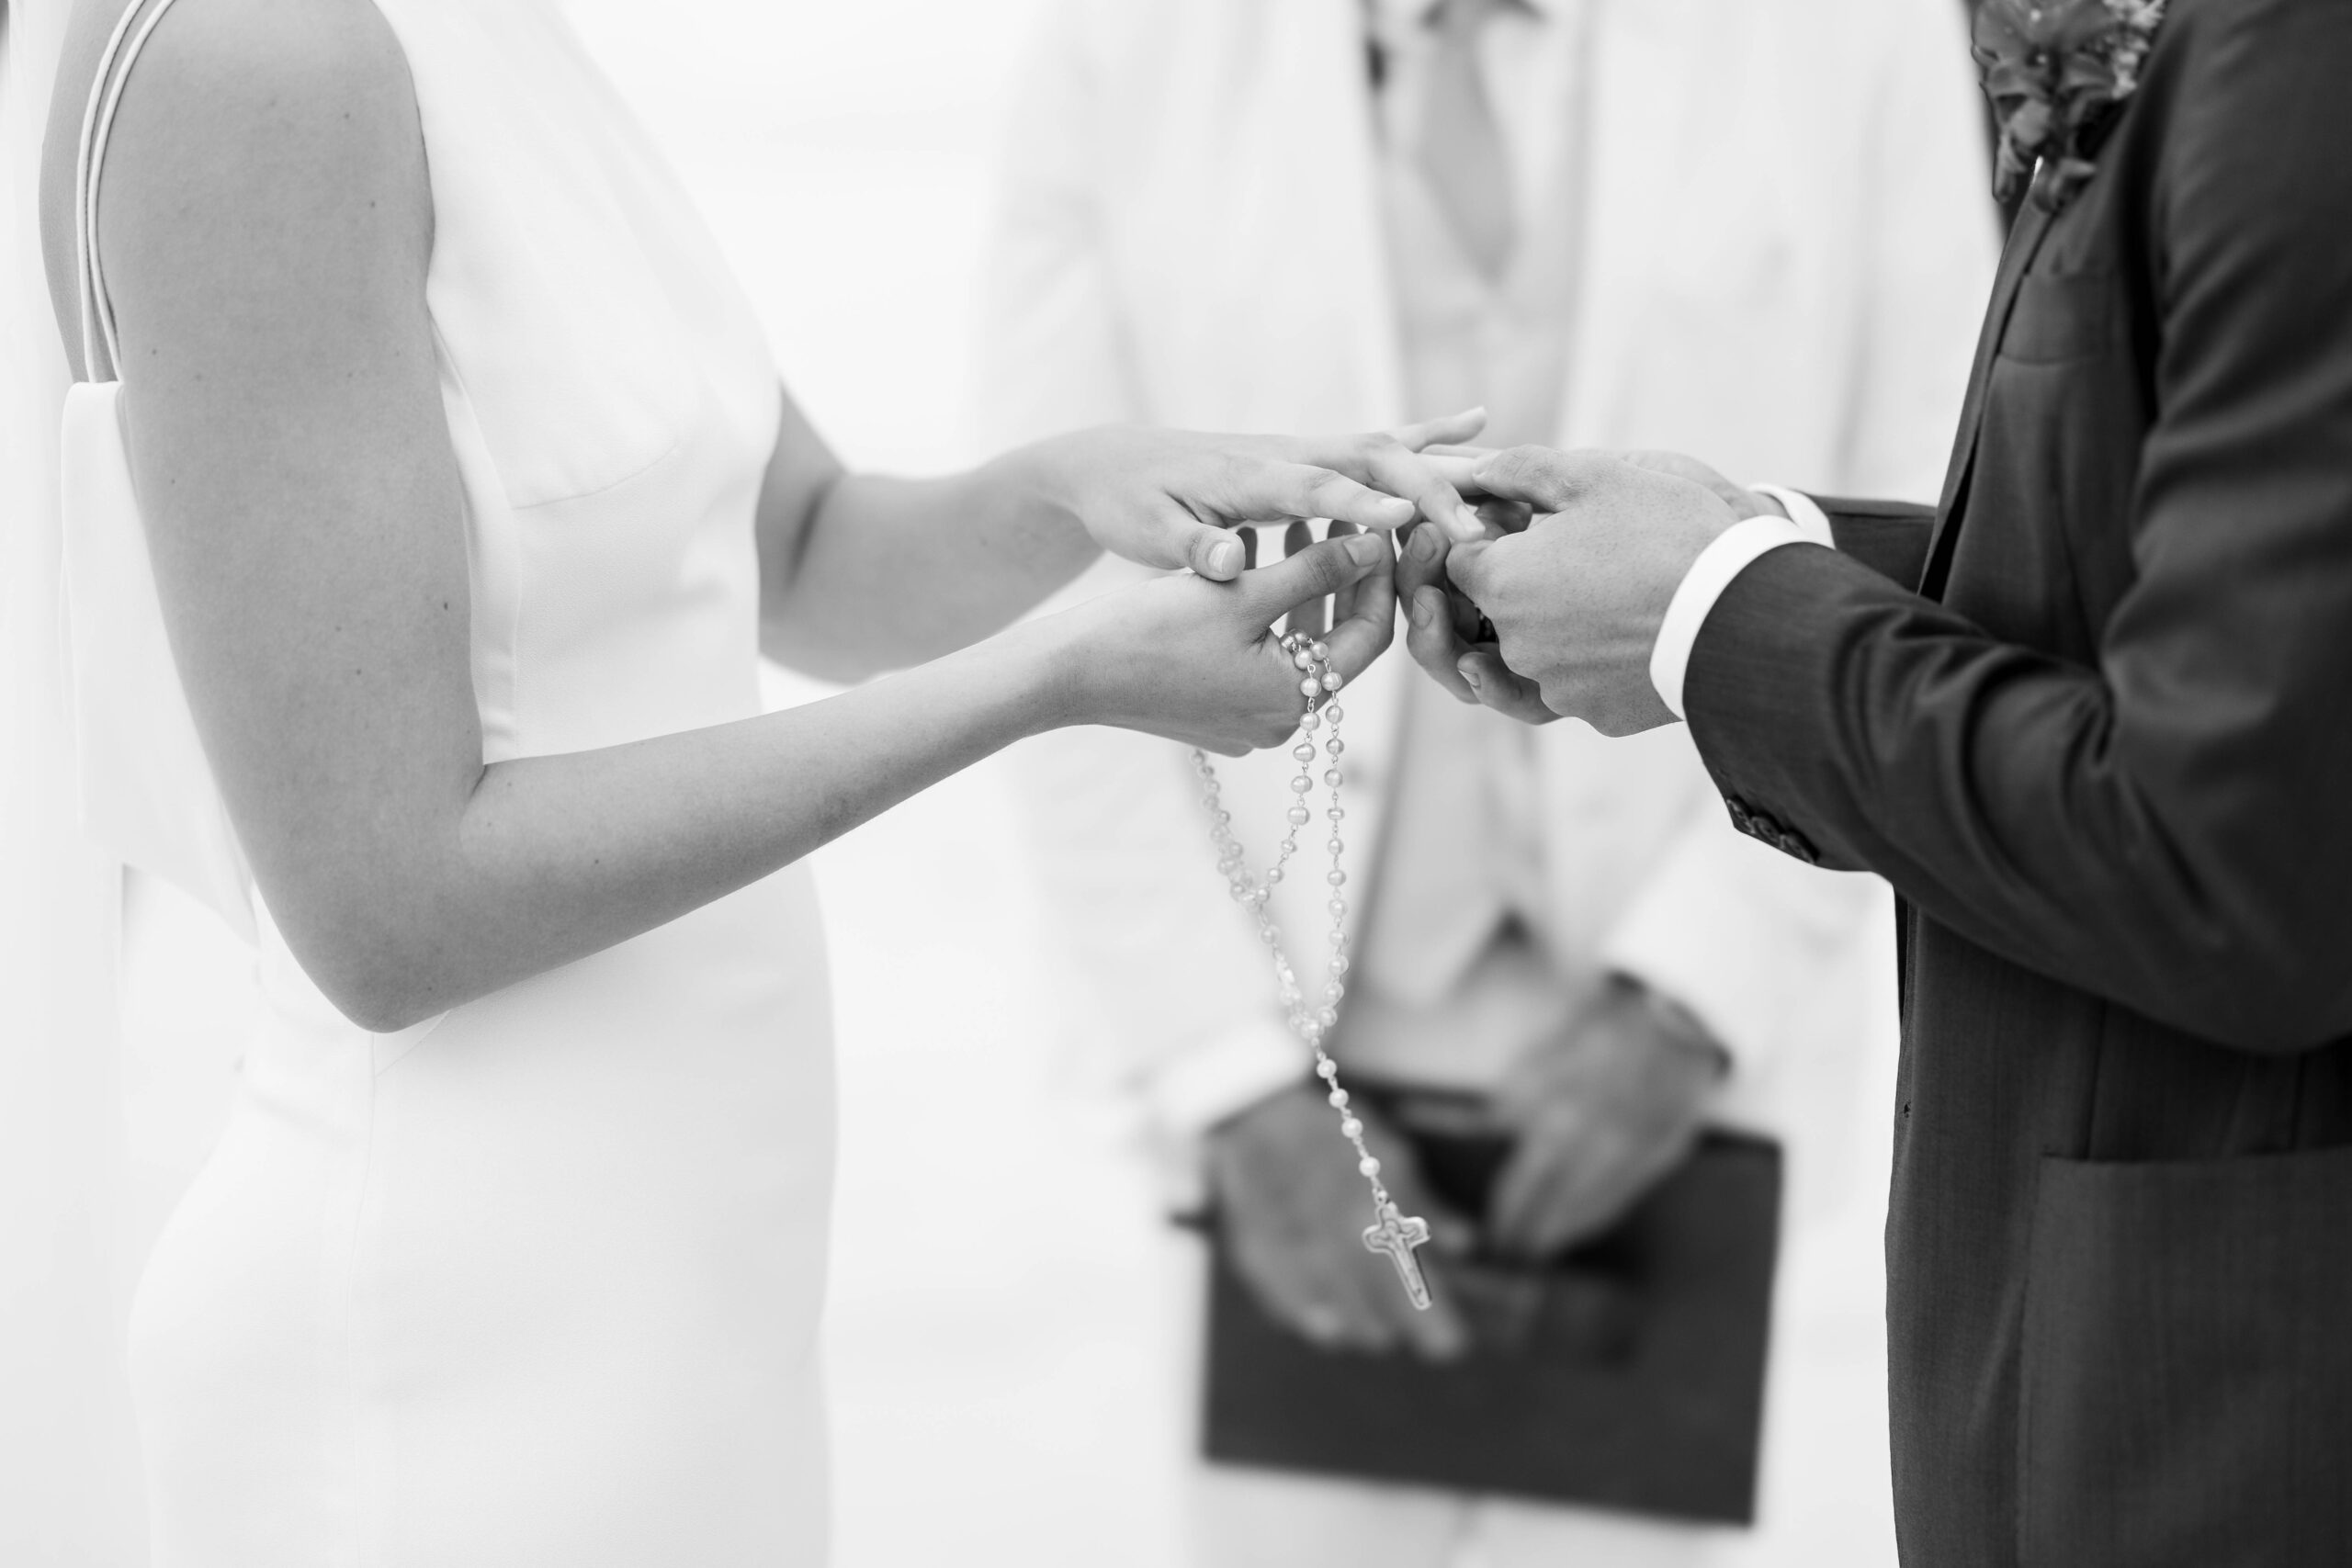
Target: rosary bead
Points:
(1351, 1128)
(1301, 658)
(1335, 878)
(1273, 875)
(1369, 1166)
(1311, 721)
(1309, 686)
(1332, 680)
(1331, 777)
(1304, 751)
(1327, 1017)
(1327, 1069)
(1322, 652)
(1334, 847)
(1339, 964)
(1332, 746)
(1332, 711)
(1338, 906)
(1333, 991)
(1298, 816)
(1338, 1098)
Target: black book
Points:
(1626, 1375)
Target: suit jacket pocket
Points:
(2187, 1364)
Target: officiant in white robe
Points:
(1753, 228)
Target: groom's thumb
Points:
(1471, 570)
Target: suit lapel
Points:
(2025, 243)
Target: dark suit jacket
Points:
(2104, 753)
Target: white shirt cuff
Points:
(1709, 575)
(1803, 511)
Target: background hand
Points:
(1197, 662)
(1293, 1209)
(1602, 1114)
(1578, 598)
(1171, 498)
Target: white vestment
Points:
(1783, 245)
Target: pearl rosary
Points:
(1392, 1232)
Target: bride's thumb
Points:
(1215, 553)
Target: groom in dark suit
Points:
(2093, 719)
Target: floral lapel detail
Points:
(2057, 71)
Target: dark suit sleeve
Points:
(2172, 828)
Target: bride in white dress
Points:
(472, 500)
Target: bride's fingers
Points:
(1343, 602)
(1453, 429)
(1459, 469)
(1307, 618)
(1363, 633)
(1272, 591)
(1278, 490)
(1400, 470)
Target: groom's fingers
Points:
(1503, 689)
(1544, 478)
(1471, 568)
(1430, 633)
(1429, 638)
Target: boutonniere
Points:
(2057, 70)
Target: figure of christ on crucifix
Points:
(1397, 1234)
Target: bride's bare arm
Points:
(266, 228)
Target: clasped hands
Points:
(1580, 555)
(1533, 580)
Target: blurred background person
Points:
(1614, 223)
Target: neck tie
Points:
(1460, 148)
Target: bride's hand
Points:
(1171, 498)
(1198, 662)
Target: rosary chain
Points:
(1311, 1022)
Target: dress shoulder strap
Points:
(129, 36)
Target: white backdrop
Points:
(996, 1398)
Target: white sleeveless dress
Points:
(537, 1281)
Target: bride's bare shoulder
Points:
(224, 88)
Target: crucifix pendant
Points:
(1397, 1235)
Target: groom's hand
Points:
(1294, 1209)
(1577, 599)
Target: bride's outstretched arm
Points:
(265, 229)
